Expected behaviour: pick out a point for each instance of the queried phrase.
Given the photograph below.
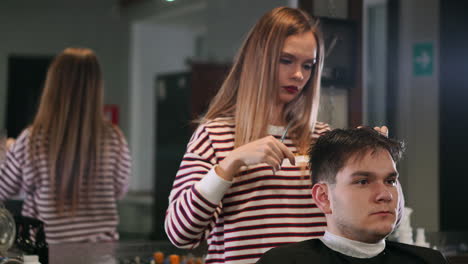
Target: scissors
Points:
(285, 132)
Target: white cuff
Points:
(213, 187)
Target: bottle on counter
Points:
(189, 259)
(199, 260)
(158, 257)
(421, 238)
(174, 259)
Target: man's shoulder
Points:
(425, 253)
(411, 248)
(303, 246)
(291, 253)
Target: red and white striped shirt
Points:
(93, 222)
(242, 219)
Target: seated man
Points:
(355, 183)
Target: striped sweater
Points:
(93, 222)
(244, 218)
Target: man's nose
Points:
(383, 193)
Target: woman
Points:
(240, 185)
(71, 164)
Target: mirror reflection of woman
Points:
(240, 185)
(71, 164)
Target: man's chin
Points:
(375, 235)
(383, 232)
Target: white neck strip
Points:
(352, 248)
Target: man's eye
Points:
(285, 61)
(362, 182)
(392, 182)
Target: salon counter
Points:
(454, 245)
(128, 252)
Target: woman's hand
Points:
(383, 130)
(265, 150)
(9, 142)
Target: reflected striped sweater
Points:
(93, 222)
(244, 218)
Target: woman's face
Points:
(297, 59)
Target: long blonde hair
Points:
(247, 92)
(69, 124)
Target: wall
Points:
(453, 112)
(417, 107)
(47, 27)
(334, 100)
(228, 23)
(331, 8)
(212, 31)
(162, 43)
(155, 49)
(417, 118)
(375, 62)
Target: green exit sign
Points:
(423, 59)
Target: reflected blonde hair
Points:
(69, 125)
(251, 85)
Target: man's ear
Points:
(320, 193)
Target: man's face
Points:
(364, 199)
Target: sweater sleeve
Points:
(123, 168)
(195, 199)
(11, 176)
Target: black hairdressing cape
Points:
(314, 251)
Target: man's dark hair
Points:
(332, 150)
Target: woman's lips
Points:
(291, 89)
